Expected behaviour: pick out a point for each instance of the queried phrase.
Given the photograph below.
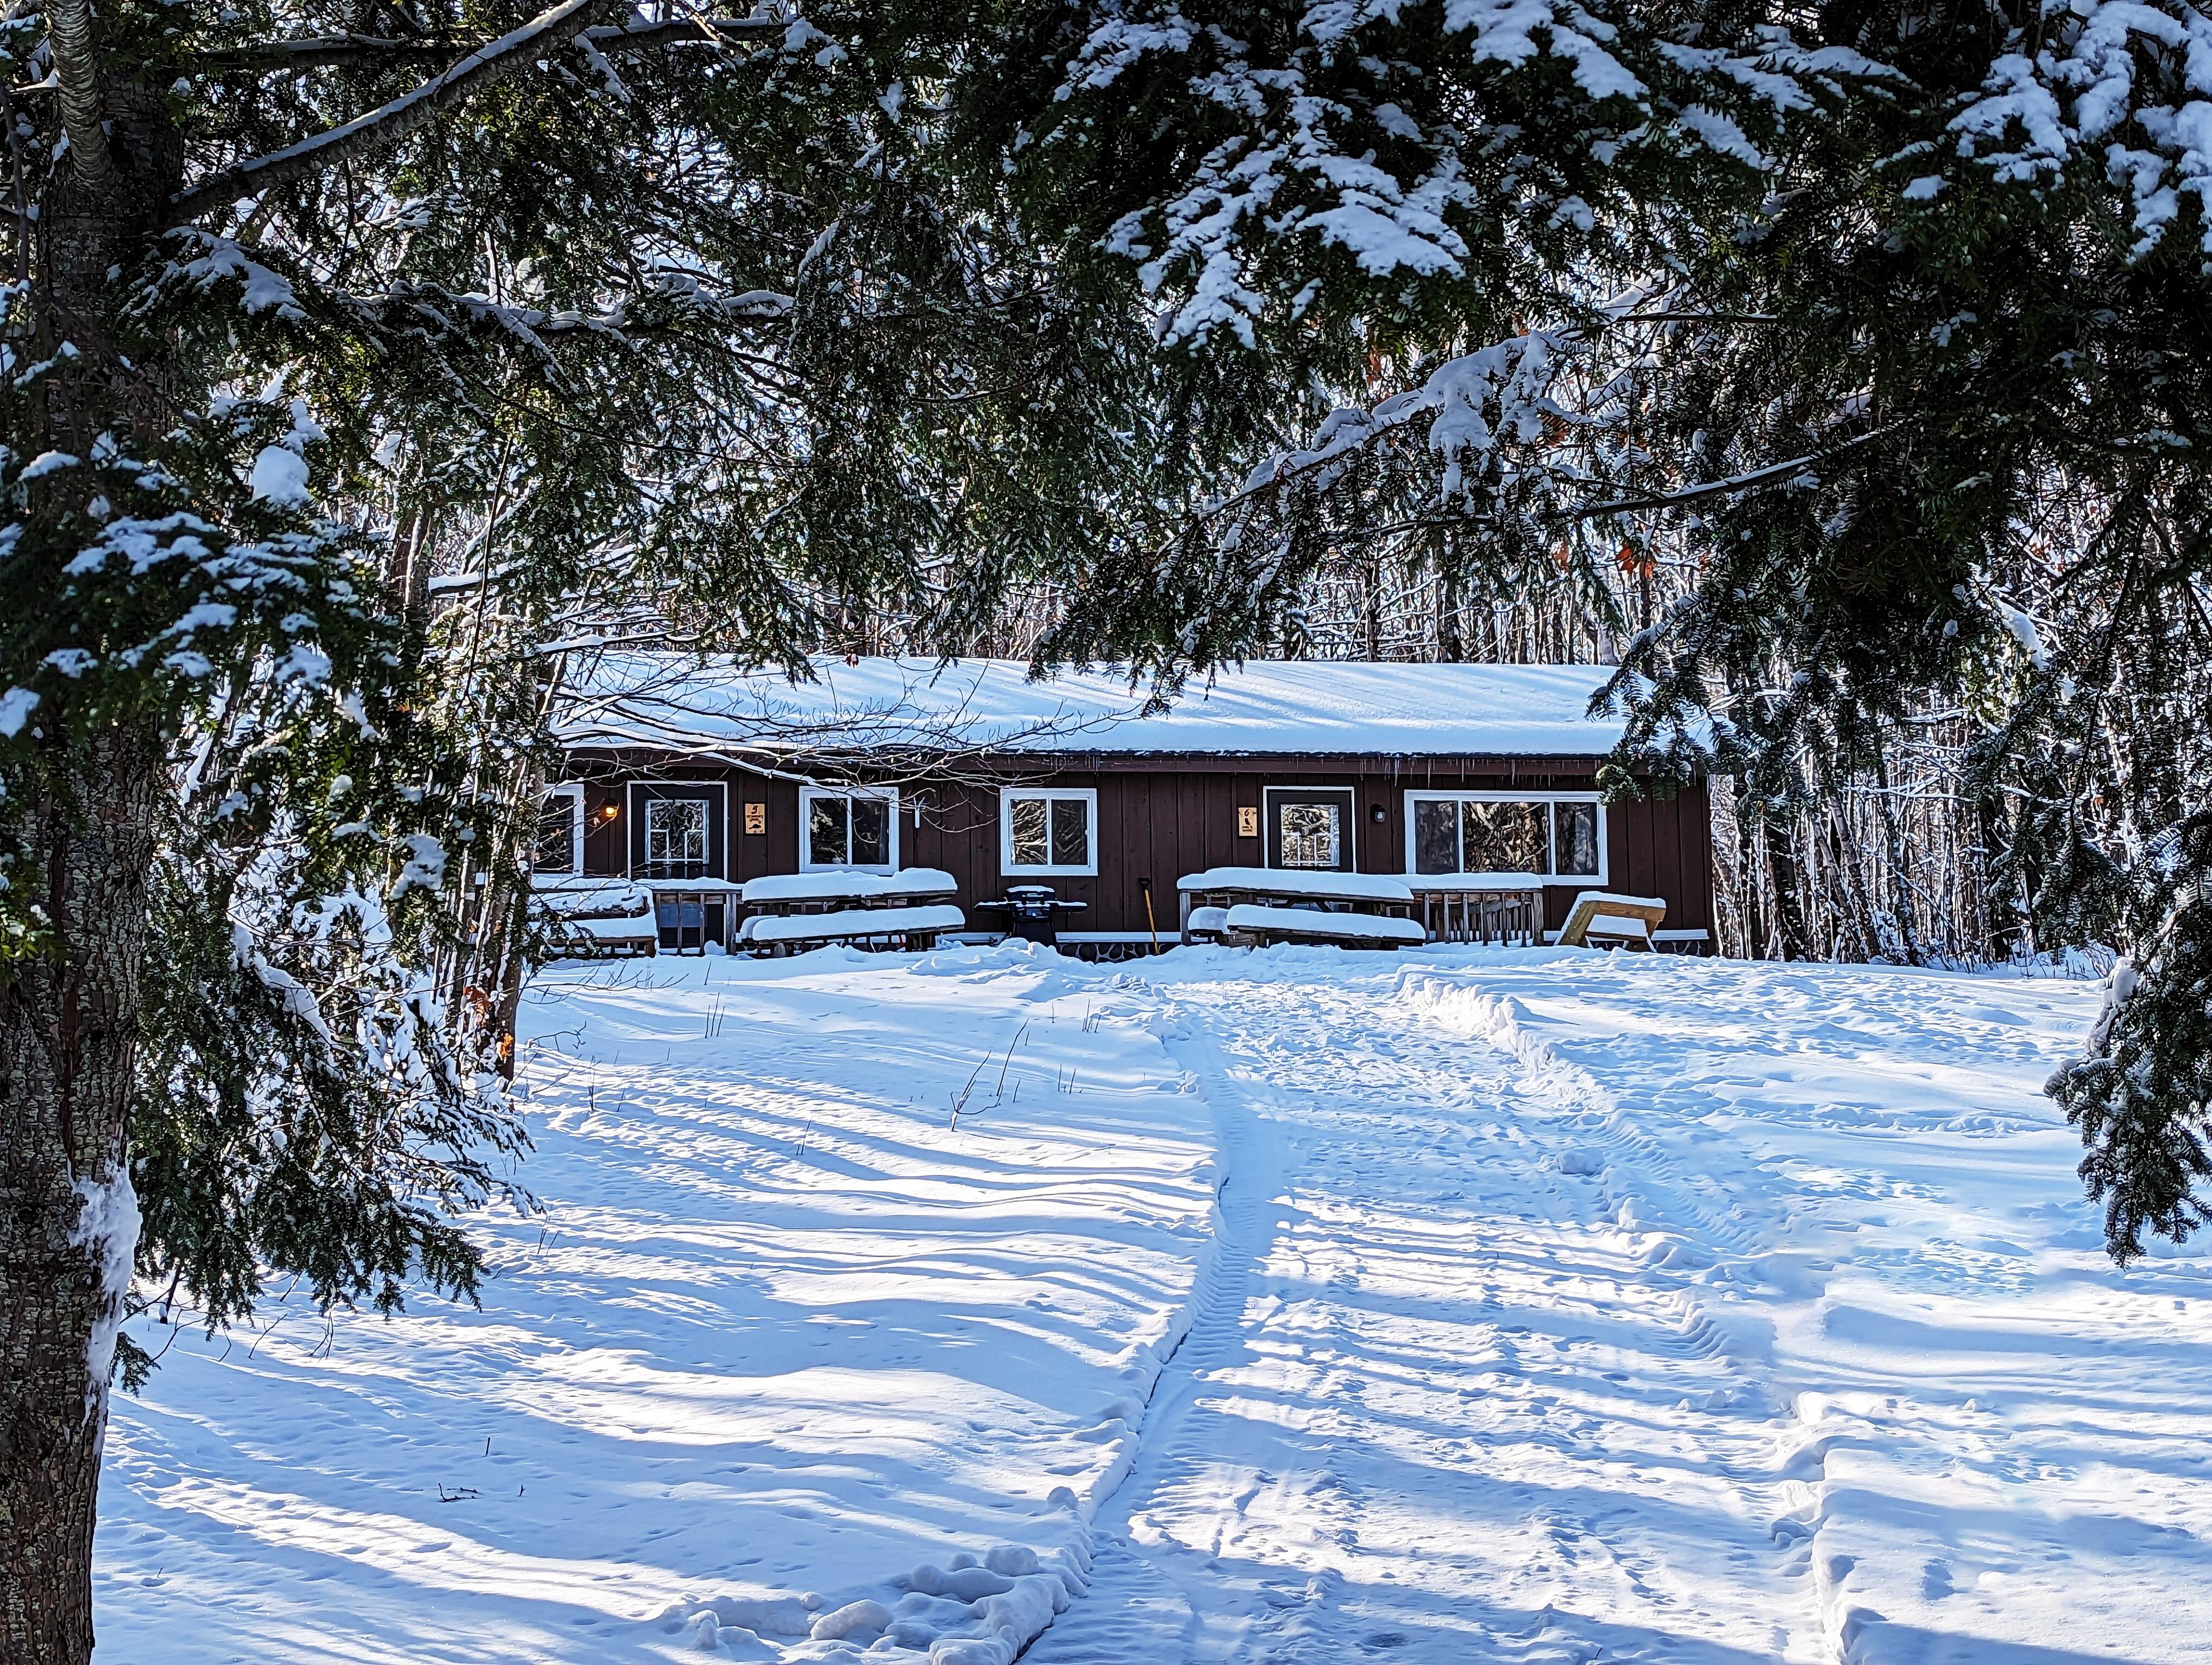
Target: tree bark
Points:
(68, 1026)
(88, 809)
(1787, 870)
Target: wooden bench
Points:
(1252, 907)
(1604, 919)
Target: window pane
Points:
(1309, 833)
(1575, 839)
(871, 832)
(675, 837)
(825, 833)
(1031, 845)
(1505, 838)
(556, 828)
(1435, 837)
(1071, 832)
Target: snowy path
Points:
(1558, 1307)
(1434, 1404)
(1584, 1308)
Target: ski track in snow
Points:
(1696, 1312)
(1558, 1307)
(1427, 1408)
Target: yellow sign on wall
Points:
(756, 818)
(1248, 821)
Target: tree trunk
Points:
(1788, 869)
(69, 1023)
(90, 810)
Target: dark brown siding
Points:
(1162, 818)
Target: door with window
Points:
(677, 833)
(1311, 828)
(855, 829)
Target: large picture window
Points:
(1046, 830)
(1311, 826)
(849, 830)
(1554, 835)
(560, 832)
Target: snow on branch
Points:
(2121, 87)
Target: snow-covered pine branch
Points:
(482, 67)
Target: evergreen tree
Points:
(325, 318)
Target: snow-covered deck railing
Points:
(787, 891)
(1263, 925)
(1505, 908)
(909, 928)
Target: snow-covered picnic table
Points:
(1258, 905)
(798, 893)
(906, 909)
(888, 927)
(585, 917)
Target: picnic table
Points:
(1256, 906)
(910, 908)
(592, 918)
(1502, 908)
(1606, 918)
(860, 927)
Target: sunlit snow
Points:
(1555, 1306)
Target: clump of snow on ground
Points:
(1553, 1306)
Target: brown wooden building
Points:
(679, 772)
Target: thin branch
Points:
(1756, 476)
(343, 50)
(486, 66)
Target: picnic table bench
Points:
(1606, 918)
(794, 912)
(1256, 906)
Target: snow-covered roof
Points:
(673, 701)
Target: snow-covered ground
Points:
(1556, 1307)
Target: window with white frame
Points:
(1046, 831)
(855, 829)
(560, 832)
(1552, 835)
(675, 837)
